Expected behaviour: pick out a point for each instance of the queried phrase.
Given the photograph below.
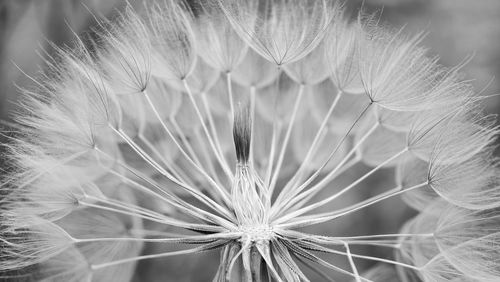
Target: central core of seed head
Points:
(248, 198)
(256, 233)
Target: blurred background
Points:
(457, 29)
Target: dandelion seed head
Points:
(238, 127)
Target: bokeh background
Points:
(456, 29)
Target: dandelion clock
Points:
(246, 141)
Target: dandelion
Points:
(232, 128)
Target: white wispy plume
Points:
(230, 126)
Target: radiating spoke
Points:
(222, 161)
(221, 190)
(284, 144)
(207, 247)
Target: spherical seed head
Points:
(230, 133)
